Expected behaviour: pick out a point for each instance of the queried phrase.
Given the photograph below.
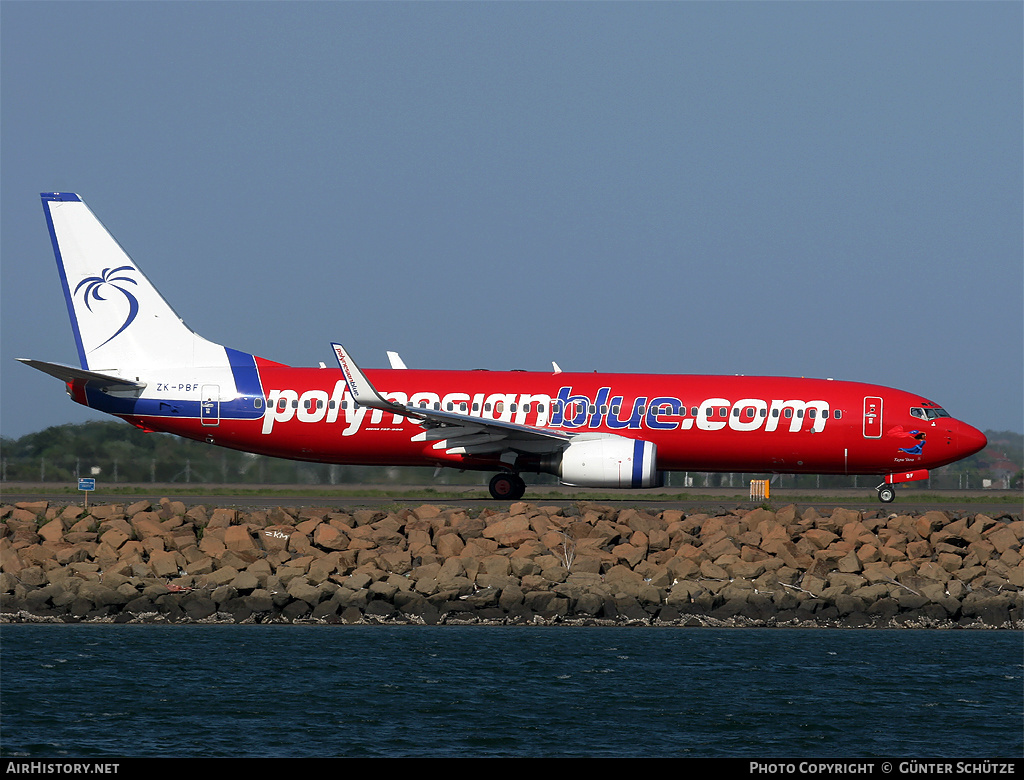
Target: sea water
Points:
(94, 691)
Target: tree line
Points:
(113, 453)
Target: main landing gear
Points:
(507, 486)
(886, 493)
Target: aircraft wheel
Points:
(886, 493)
(507, 486)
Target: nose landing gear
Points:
(887, 490)
(507, 486)
(886, 493)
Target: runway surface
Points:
(991, 502)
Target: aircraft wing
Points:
(457, 434)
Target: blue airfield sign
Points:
(87, 484)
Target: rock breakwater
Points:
(586, 564)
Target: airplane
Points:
(140, 362)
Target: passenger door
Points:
(872, 417)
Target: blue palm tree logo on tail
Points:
(94, 286)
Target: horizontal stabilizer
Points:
(69, 374)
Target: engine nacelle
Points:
(606, 461)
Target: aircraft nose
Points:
(970, 440)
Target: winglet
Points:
(363, 393)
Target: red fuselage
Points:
(699, 423)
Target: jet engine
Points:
(606, 461)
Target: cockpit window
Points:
(927, 414)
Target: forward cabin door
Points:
(872, 417)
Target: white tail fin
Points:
(120, 321)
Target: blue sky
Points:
(804, 189)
